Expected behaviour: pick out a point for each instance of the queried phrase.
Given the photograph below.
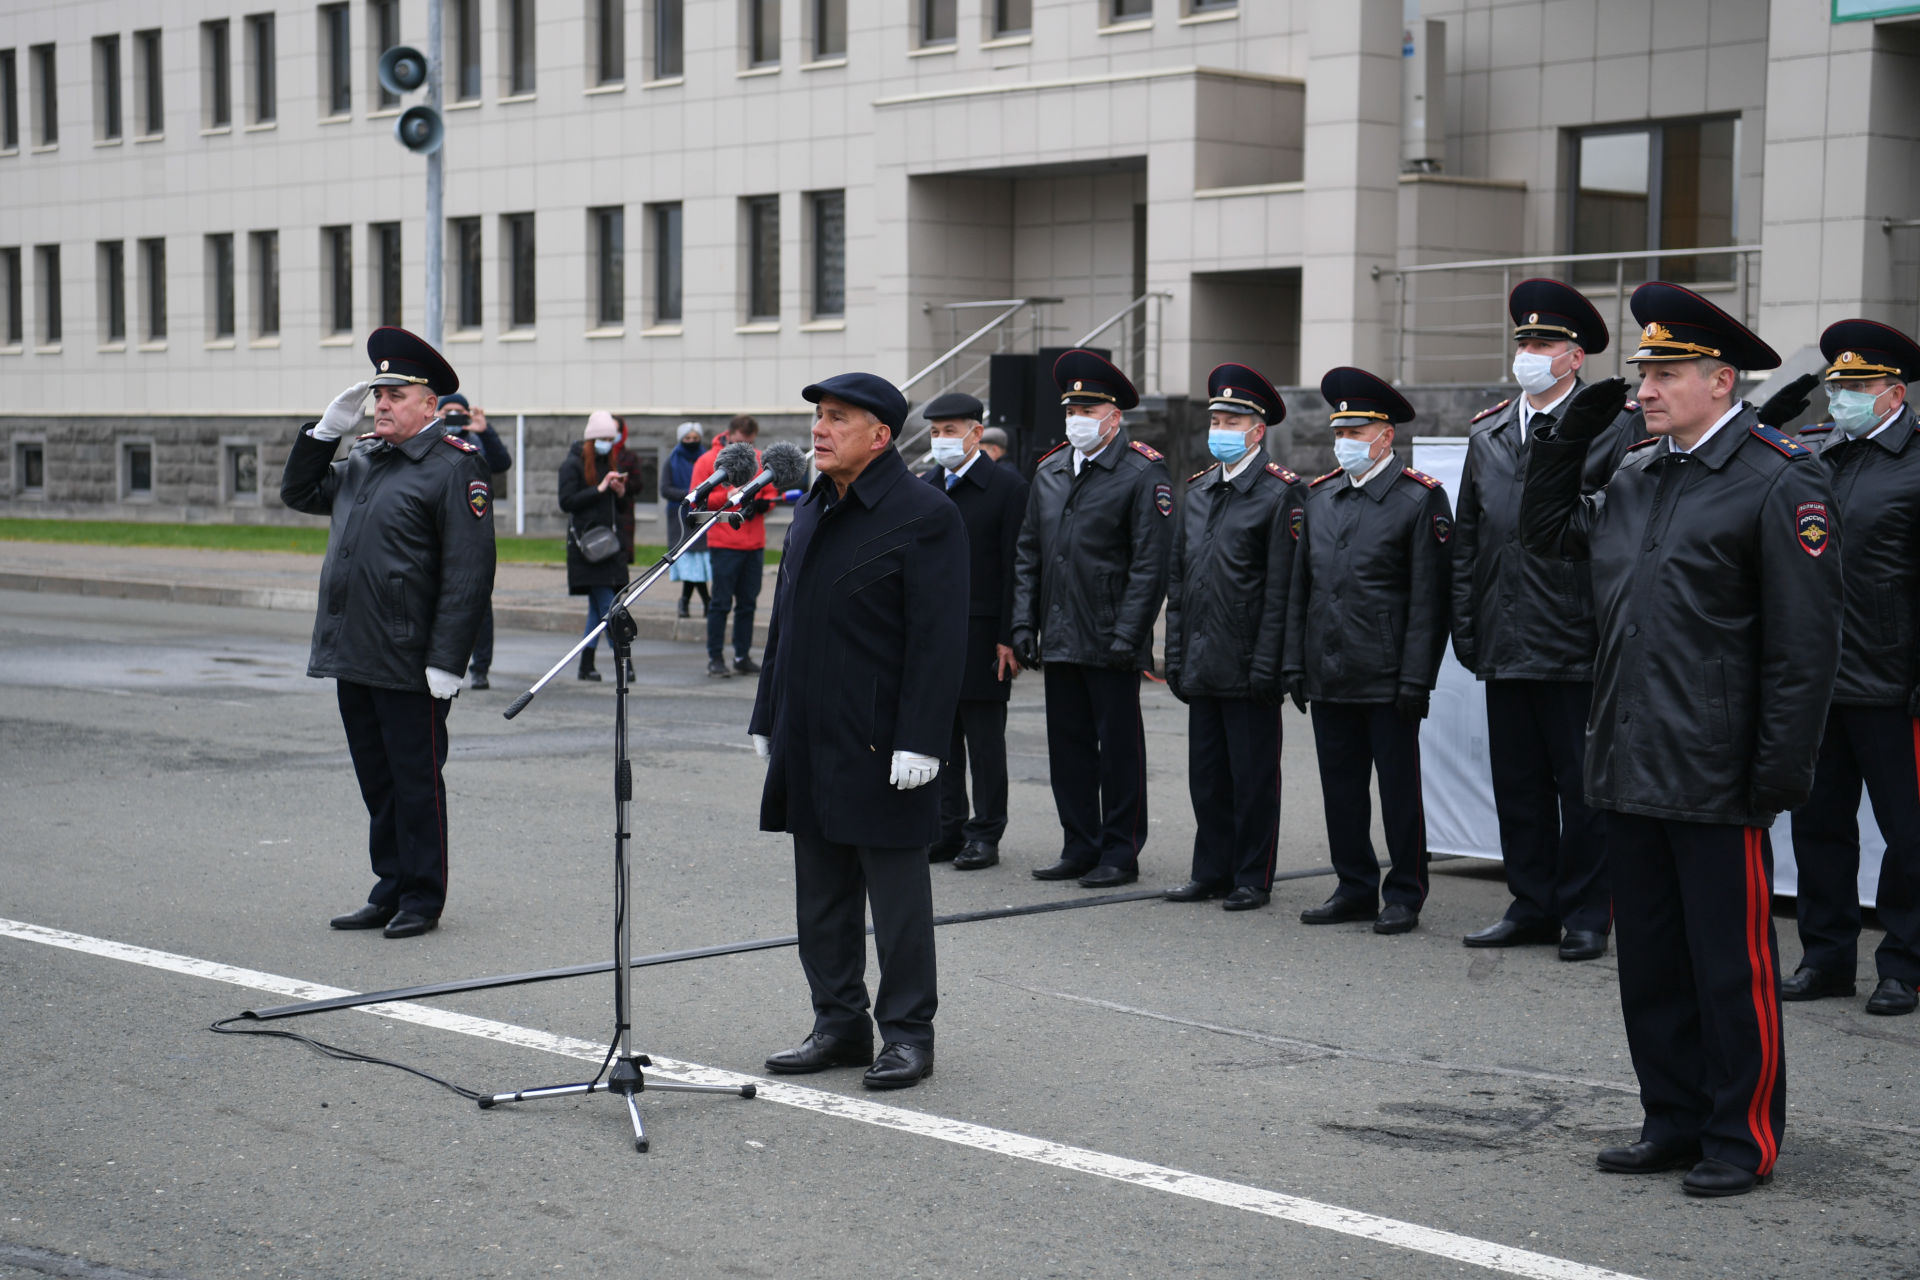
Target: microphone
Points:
(782, 465)
(733, 467)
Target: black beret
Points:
(401, 358)
(1859, 349)
(1679, 324)
(1239, 389)
(1355, 393)
(954, 404)
(867, 391)
(1087, 377)
(1550, 309)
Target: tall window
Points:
(665, 220)
(763, 257)
(12, 298)
(669, 39)
(153, 289)
(466, 249)
(829, 28)
(112, 274)
(938, 21)
(46, 265)
(516, 46)
(763, 32)
(1124, 10)
(46, 97)
(383, 20)
(336, 279)
(829, 253)
(9, 102)
(106, 87)
(463, 48)
(220, 285)
(336, 59)
(607, 40)
(262, 90)
(242, 472)
(266, 283)
(1012, 17)
(136, 469)
(384, 253)
(149, 83)
(608, 229)
(1661, 186)
(517, 230)
(30, 466)
(216, 76)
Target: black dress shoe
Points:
(1648, 1157)
(1062, 870)
(480, 680)
(1246, 898)
(944, 850)
(1510, 933)
(1396, 917)
(1196, 891)
(1109, 877)
(746, 666)
(1583, 944)
(409, 924)
(1892, 998)
(899, 1066)
(370, 916)
(718, 669)
(1812, 984)
(977, 856)
(1338, 910)
(1718, 1178)
(820, 1051)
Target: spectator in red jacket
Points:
(738, 557)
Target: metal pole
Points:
(436, 222)
(520, 475)
(1619, 317)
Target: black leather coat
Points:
(1091, 566)
(1227, 587)
(409, 568)
(992, 500)
(1876, 486)
(1716, 577)
(1367, 608)
(1517, 615)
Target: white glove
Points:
(762, 745)
(344, 414)
(910, 770)
(443, 684)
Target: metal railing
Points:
(1144, 334)
(1496, 332)
(966, 366)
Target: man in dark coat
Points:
(470, 424)
(853, 714)
(408, 574)
(992, 501)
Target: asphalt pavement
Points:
(1135, 1089)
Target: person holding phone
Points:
(470, 424)
(591, 486)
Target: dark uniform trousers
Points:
(831, 883)
(1097, 756)
(1879, 746)
(483, 644)
(1233, 774)
(1353, 740)
(398, 740)
(1699, 983)
(1552, 844)
(980, 740)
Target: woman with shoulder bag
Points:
(591, 487)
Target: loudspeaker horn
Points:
(420, 129)
(403, 69)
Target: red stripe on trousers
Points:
(1760, 1106)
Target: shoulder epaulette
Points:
(1283, 473)
(371, 435)
(1817, 429)
(1631, 406)
(1322, 479)
(1484, 414)
(1196, 475)
(1644, 443)
(462, 445)
(1049, 453)
(1146, 451)
(1421, 476)
(1790, 448)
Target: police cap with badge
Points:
(1354, 395)
(1678, 324)
(403, 359)
(1557, 312)
(1863, 350)
(1088, 378)
(1235, 388)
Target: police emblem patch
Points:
(1442, 528)
(1810, 524)
(1163, 499)
(1296, 521)
(478, 498)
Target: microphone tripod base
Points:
(627, 1080)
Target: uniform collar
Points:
(1241, 480)
(422, 442)
(1893, 436)
(1376, 488)
(967, 468)
(1524, 413)
(1109, 456)
(1723, 439)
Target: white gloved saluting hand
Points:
(344, 414)
(442, 684)
(762, 745)
(911, 769)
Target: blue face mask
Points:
(1227, 444)
(603, 446)
(1853, 411)
(1354, 456)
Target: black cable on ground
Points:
(225, 1027)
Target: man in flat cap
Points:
(1872, 734)
(992, 500)
(1717, 587)
(406, 581)
(1089, 578)
(853, 715)
(993, 443)
(1523, 624)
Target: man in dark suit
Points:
(854, 711)
(992, 501)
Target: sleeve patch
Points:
(1296, 522)
(1810, 526)
(461, 445)
(479, 498)
(1423, 478)
(1146, 451)
(1791, 448)
(1442, 529)
(1163, 499)
(1484, 414)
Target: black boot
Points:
(686, 599)
(586, 666)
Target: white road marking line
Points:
(1295, 1209)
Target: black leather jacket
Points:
(1876, 486)
(1227, 588)
(1716, 576)
(1091, 563)
(1516, 615)
(1367, 608)
(409, 567)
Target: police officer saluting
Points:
(1226, 628)
(1716, 579)
(1523, 624)
(1366, 625)
(1089, 576)
(407, 579)
(1872, 734)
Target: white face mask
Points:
(1084, 433)
(603, 446)
(1354, 456)
(949, 451)
(1853, 411)
(1534, 372)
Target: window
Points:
(466, 249)
(46, 97)
(607, 40)
(240, 472)
(9, 102)
(106, 88)
(463, 53)
(336, 267)
(136, 469)
(149, 84)
(30, 467)
(336, 59)
(829, 253)
(12, 298)
(829, 29)
(763, 32)
(608, 230)
(669, 39)
(262, 107)
(1012, 17)
(516, 46)
(153, 288)
(763, 257)
(46, 265)
(1661, 186)
(517, 230)
(216, 76)
(112, 275)
(384, 244)
(1211, 6)
(383, 20)
(220, 285)
(1123, 10)
(266, 283)
(665, 220)
(937, 22)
